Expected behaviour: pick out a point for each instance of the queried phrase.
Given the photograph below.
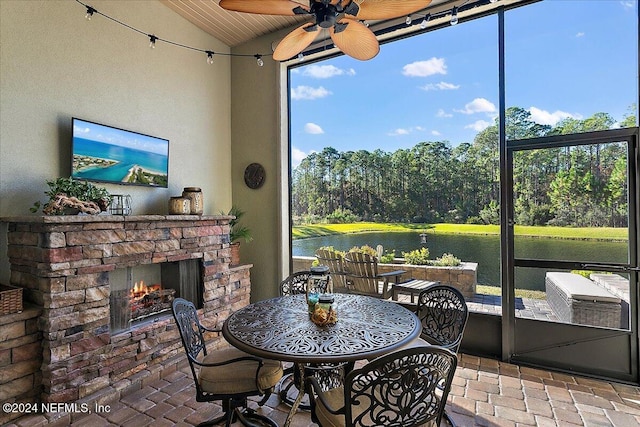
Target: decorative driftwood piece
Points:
(62, 201)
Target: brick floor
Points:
(485, 393)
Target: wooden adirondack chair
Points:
(362, 273)
(334, 261)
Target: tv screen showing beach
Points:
(107, 154)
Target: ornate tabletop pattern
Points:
(280, 328)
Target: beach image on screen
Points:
(103, 153)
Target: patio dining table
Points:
(280, 329)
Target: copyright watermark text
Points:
(48, 407)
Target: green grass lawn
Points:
(601, 233)
(520, 293)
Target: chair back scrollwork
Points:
(295, 284)
(443, 313)
(403, 389)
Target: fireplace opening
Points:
(145, 292)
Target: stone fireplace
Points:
(74, 268)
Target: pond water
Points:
(483, 249)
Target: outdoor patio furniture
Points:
(578, 300)
(334, 261)
(398, 389)
(226, 374)
(362, 273)
(295, 284)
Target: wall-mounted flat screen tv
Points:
(108, 154)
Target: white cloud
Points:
(327, 71)
(440, 86)
(406, 131)
(425, 68)
(478, 125)
(313, 129)
(628, 4)
(478, 105)
(297, 156)
(580, 34)
(399, 132)
(544, 117)
(443, 114)
(435, 133)
(309, 93)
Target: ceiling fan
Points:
(341, 17)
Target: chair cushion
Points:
(335, 399)
(237, 377)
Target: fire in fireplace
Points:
(133, 301)
(149, 300)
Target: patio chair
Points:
(396, 390)
(295, 284)
(334, 261)
(226, 374)
(362, 272)
(443, 313)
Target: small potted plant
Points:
(237, 233)
(71, 196)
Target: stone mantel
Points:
(63, 265)
(71, 219)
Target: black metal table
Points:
(280, 328)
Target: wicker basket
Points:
(10, 299)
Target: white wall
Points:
(54, 64)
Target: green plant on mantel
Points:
(68, 195)
(238, 231)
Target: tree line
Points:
(431, 182)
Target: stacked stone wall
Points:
(63, 264)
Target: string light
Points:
(89, 14)
(153, 38)
(423, 24)
(454, 16)
(408, 20)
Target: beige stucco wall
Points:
(259, 134)
(54, 65)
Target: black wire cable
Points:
(153, 38)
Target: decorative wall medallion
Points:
(254, 175)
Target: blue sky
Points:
(564, 58)
(114, 136)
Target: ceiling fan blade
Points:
(264, 7)
(355, 39)
(295, 42)
(386, 9)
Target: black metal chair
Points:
(443, 313)
(227, 374)
(330, 375)
(396, 390)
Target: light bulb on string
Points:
(90, 12)
(423, 24)
(408, 20)
(210, 57)
(300, 57)
(259, 60)
(152, 41)
(454, 16)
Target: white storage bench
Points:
(576, 299)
